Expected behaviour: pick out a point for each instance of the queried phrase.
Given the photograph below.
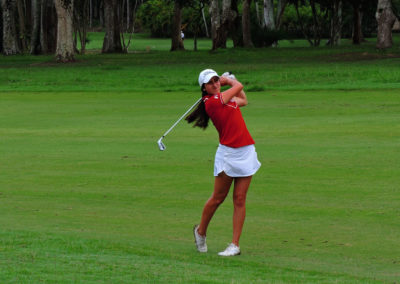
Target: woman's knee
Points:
(239, 200)
(217, 200)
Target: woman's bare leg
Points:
(221, 189)
(239, 202)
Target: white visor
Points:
(206, 75)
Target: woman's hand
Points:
(225, 81)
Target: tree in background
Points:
(31, 25)
(65, 46)
(311, 19)
(246, 24)
(336, 22)
(216, 26)
(43, 32)
(270, 21)
(230, 22)
(21, 25)
(112, 38)
(236, 25)
(10, 36)
(196, 14)
(155, 16)
(176, 38)
(1, 30)
(385, 19)
(357, 35)
(81, 18)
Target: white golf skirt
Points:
(236, 162)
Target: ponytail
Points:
(199, 115)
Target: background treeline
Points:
(60, 26)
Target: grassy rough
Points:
(87, 197)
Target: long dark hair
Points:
(199, 115)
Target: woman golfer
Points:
(236, 159)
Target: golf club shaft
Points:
(169, 130)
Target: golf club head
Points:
(161, 145)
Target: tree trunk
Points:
(28, 16)
(35, 35)
(269, 21)
(385, 18)
(10, 37)
(357, 27)
(336, 23)
(1, 29)
(216, 27)
(101, 13)
(43, 27)
(246, 24)
(280, 10)
(316, 25)
(236, 34)
(90, 13)
(128, 16)
(205, 22)
(21, 18)
(259, 21)
(48, 27)
(112, 38)
(81, 17)
(65, 42)
(176, 38)
(226, 21)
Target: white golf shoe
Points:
(199, 240)
(231, 250)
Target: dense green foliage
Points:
(87, 197)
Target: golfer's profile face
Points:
(213, 86)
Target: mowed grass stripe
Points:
(86, 196)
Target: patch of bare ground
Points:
(54, 63)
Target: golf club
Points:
(161, 145)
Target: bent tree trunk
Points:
(10, 38)
(65, 45)
(246, 24)
(385, 18)
(176, 38)
(112, 38)
(279, 12)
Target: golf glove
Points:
(229, 75)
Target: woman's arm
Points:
(234, 91)
(241, 99)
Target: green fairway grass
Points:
(87, 197)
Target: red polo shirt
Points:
(228, 121)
